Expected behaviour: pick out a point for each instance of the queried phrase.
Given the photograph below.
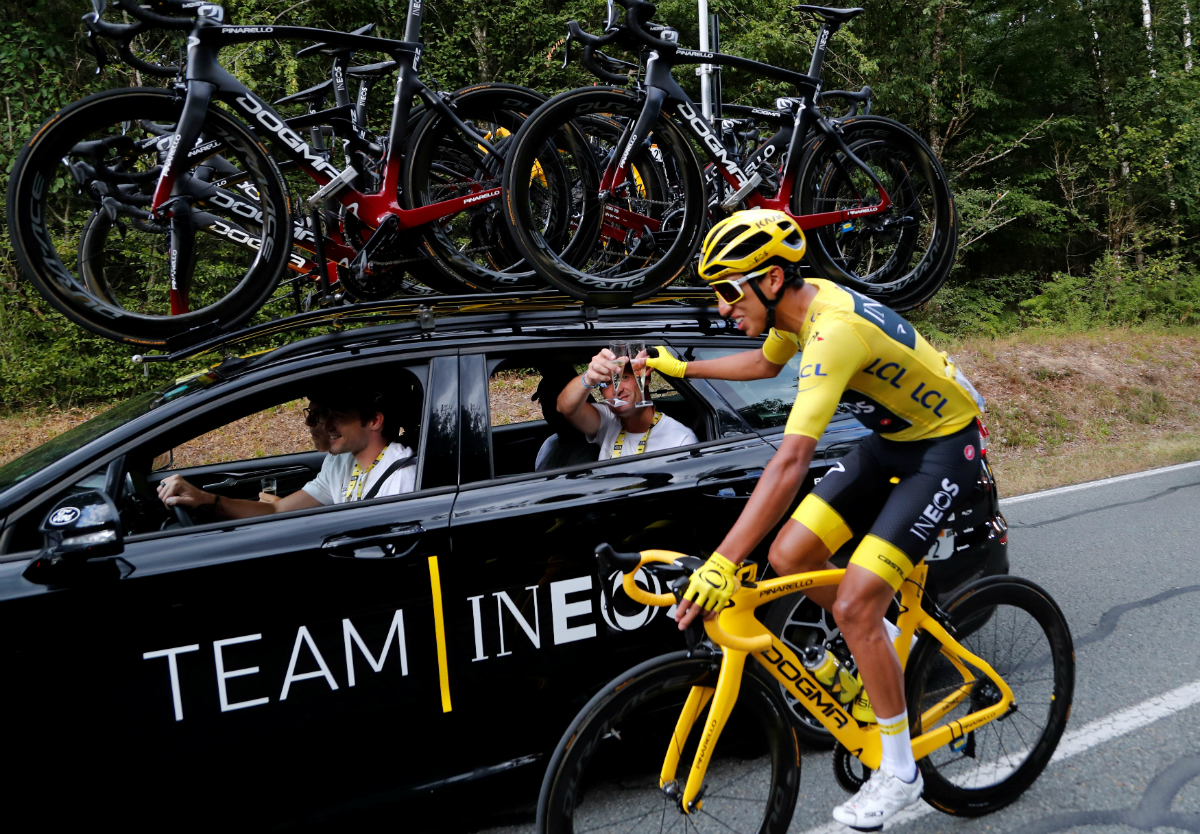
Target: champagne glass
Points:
(621, 351)
(641, 374)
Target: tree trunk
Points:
(935, 136)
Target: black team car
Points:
(299, 665)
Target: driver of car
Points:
(365, 460)
(621, 430)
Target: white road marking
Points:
(1046, 493)
(1072, 744)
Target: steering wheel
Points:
(182, 515)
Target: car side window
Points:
(521, 390)
(275, 430)
(763, 403)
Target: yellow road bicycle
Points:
(700, 740)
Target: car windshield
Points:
(42, 456)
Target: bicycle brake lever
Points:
(567, 50)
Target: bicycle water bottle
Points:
(830, 673)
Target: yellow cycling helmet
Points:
(751, 240)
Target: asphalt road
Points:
(1122, 558)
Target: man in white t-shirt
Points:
(624, 430)
(365, 461)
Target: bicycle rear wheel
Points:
(473, 248)
(77, 217)
(630, 241)
(902, 256)
(1020, 631)
(604, 775)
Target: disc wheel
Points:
(78, 219)
(902, 256)
(1027, 642)
(621, 244)
(604, 775)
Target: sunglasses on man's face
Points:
(314, 416)
(731, 292)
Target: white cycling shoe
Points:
(880, 799)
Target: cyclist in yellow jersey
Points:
(896, 487)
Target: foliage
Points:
(1162, 291)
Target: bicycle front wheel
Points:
(604, 775)
(78, 219)
(1018, 629)
(902, 256)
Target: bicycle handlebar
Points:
(160, 21)
(589, 61)
(630, 563)
(123, 34)
(634, 11)
(862, 97)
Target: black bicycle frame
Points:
(207, 80)
(663, 91)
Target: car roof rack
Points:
(425, 310)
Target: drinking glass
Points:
(621, 351)
(640, 375)
(269, 486)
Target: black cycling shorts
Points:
(898, 493)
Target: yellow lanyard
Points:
(642, 445)
(359, 478)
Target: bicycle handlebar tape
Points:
(642, 12)
(712, 585)
(595, 69)
(665, 363)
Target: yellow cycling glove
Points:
(713, 583)
(663, 362)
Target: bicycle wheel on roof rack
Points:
(902, 256)
(619, 246)
(78, 221)
(472, 248)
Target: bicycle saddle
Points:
(831, 15)
(326, 49)
(313, 95)
(371, 72)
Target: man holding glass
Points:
(626, 423)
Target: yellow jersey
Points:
(857, 352)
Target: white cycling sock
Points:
(897, 747)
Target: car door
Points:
(266, 657)
(530, 633)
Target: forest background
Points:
(1070, 128)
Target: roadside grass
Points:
(1062, 407)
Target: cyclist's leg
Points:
(848, 497)
(935, 477)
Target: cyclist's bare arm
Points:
(175, 490)
(773, 496)
(750, 364)
(575, 402)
